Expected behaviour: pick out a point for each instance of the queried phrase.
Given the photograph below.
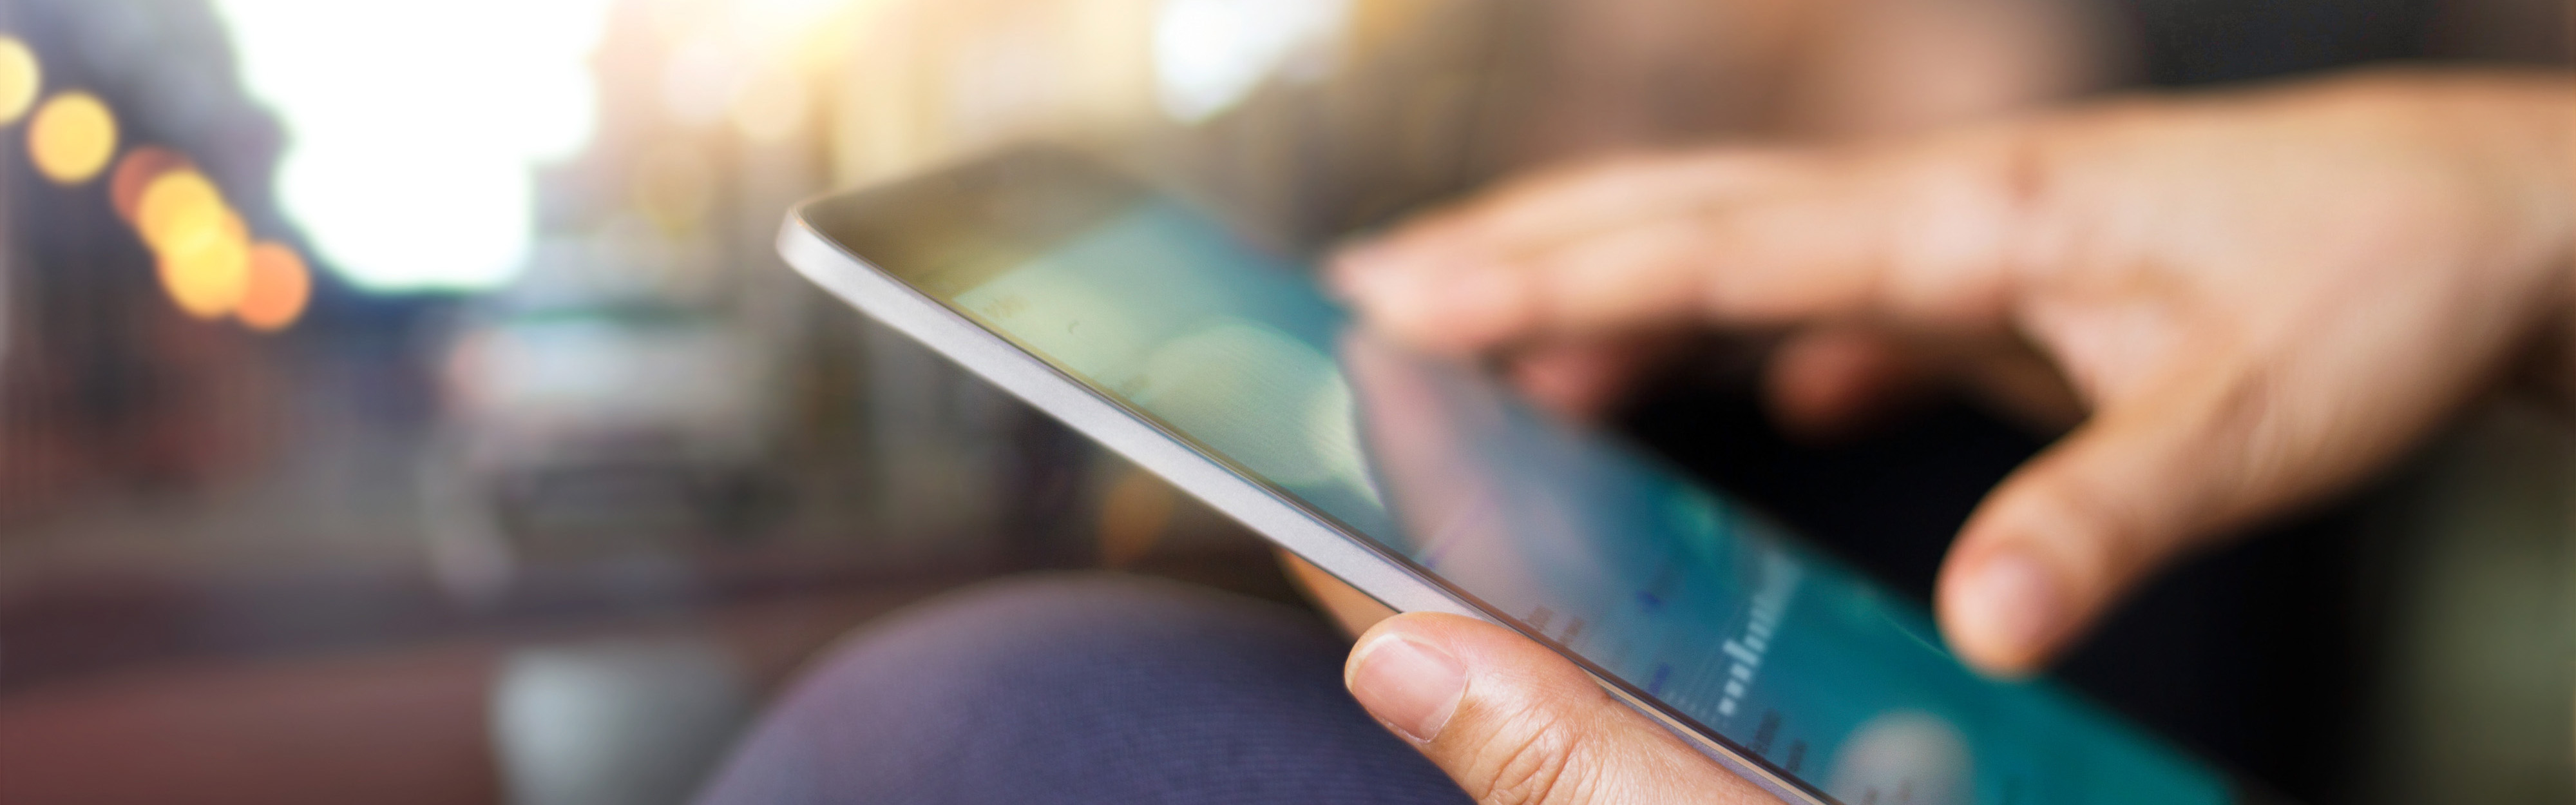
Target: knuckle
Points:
(2224, 451)
(2251, 414)
(1534, 760)
(1969, 226)
(2107, 530)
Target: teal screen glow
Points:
(1655, 582)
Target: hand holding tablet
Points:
(2261, 297)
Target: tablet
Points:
(1148, 327)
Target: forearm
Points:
(2530, 117)
(2534, 132)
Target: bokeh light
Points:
(415, 126)
(674, 186)
(21, 78)
(135, 173)
(175, 200)
(208, 264)
(204, 246)
(278, 286)
(205, 264)
(72, 137)
(775, 106)
(766, 30)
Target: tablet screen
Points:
(1659, 585)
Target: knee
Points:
(1011, 669)
(1098, 683)
(1018, 636)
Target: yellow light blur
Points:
(72, 137)
(278, 287)
(774, 107)
(205, 264)
(20, 79)
(673, 186)
(136, 173)
(173, 200)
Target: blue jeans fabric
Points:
(1079, 689)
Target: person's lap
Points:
(1079, 689)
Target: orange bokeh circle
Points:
(279, 286)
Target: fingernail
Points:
(2009, 604)
(1414, 687)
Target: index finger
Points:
(1922, 235)
(1557, 204)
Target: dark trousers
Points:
(1079, 689)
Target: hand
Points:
(1515, 724)
(2249, 300)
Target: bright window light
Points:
(1211, 54)
(412, 127)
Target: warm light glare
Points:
(20, 79)
(206, 268)
(415, 126)
(672, 186)
(770, 28)
(1211, 54)
(279, 285)
(136, 173)
(208, 264)
(774, 107)
(72, 138)
(177, 200)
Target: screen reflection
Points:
(1662, 586)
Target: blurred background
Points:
(401, 402)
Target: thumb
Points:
(1516, 724)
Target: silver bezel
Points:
(882, 296)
